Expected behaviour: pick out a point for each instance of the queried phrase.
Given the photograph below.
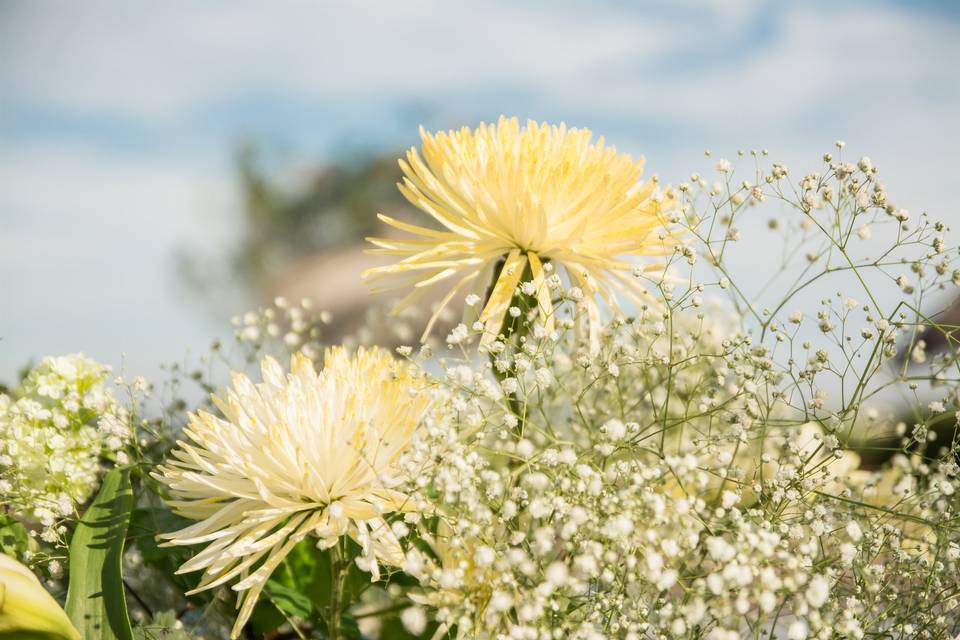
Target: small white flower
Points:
(767, 601)
(615, 430)
(544, 377)
(797, 630)
(729, 499)
(414, 620)
(817, 592)
(667, 579)
(501, 601)
(458, 335)
(847, 553)
(854, 531)
(484, 556)
(557, 574)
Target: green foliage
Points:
(393, 629)
(331, 208)
(145, 525)
(283, 220)
(95, 598)
(14, 538)
(302, 588)
(162, 626)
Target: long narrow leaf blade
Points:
(95, 598)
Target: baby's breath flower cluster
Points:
(297, 327)
(654, 490)
(56, 431)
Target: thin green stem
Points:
(513, 329)
(338, 580)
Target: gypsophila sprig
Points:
(592, 523)
(297, 326)
(57, 432)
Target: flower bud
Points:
(26, 609)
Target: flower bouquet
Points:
(645, 426)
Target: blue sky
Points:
(117, 119)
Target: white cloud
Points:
(89, 231)
(83, 187)
(118, 59)
(88, 255)
(840, 63)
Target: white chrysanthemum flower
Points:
(296, 455)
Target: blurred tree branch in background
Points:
(301, 235)
(334, 208)
(286, 217)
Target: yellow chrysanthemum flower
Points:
(528, 196)
(296, 455)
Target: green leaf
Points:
(290, 601)
(306, 570)
(393, 629)
(349, 628)
(95, 598)
(266, 618)
(14, 538)
(145, 525)
(299, 587)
